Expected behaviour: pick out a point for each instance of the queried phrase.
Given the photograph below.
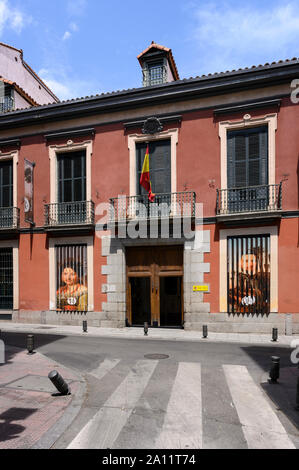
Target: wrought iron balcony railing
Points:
(165, 205)
(266, 198)
(69, 214)
(9, 217)
(6, 104)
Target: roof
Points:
(20, 91)
(31, 71)
(243, 77)
(172, 63)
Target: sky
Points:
(85, 47)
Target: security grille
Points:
(6, 278)
(248, 277)
(71, 278)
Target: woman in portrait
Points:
(72, 295)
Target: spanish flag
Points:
(145, 177)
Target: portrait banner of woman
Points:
(72, 291)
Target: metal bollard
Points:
(297, 395)
(85, 326)
(274, 371)
(274, 334)
(145, 328)
(205, 331)
(59, 382)
(30, 344)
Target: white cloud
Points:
(231, 37)
(76, 7)
(65, 86)
(74, 27)
(66, 35)
(12, 18)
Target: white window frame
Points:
(14, 156)
(70, 146)
(134, 139)
(223, 235)
(14, 244)
(53, 242)
(247, 122)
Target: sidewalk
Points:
(153, 333)
(30, 415)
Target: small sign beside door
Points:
(201, 288)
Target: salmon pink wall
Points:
(288, 266)
(34, 272)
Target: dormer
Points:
(158, 65)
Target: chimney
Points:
(158, 65)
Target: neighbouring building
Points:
(217, 246)
(20, 86)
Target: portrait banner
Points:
(71, 278)
(28, 192)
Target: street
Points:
(144, 394)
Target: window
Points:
(248, 274)
(160, 166)
(6, 278)
(71, 278)
(154, 73)
(247, 153)
(247, 168)
(72, 177)
(6, 184)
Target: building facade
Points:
(20, 86)
(217, 246)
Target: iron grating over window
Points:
(248, 274)
(71, 278)
(6, 278)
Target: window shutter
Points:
(264, 156)
(230, 161)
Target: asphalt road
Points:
(202, 395)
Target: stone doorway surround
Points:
(114, 310)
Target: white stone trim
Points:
(171, 134)
(14, 244)
(52, 267)
(70, 146)
(223, 234)
(14, 156)
(246, 122)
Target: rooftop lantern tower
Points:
(158, 65)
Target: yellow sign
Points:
(200, 288)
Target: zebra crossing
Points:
(149, 410)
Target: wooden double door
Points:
(155, 285)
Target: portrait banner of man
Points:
(248, 274)
(28, 191)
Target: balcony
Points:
(69, 215)
(9, 218)
(249, 202)
(166, 205)
(6, 104)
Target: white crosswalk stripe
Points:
(106, 366)
(103, 429)
(182, 426)
(261, 426)
(177, 416)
